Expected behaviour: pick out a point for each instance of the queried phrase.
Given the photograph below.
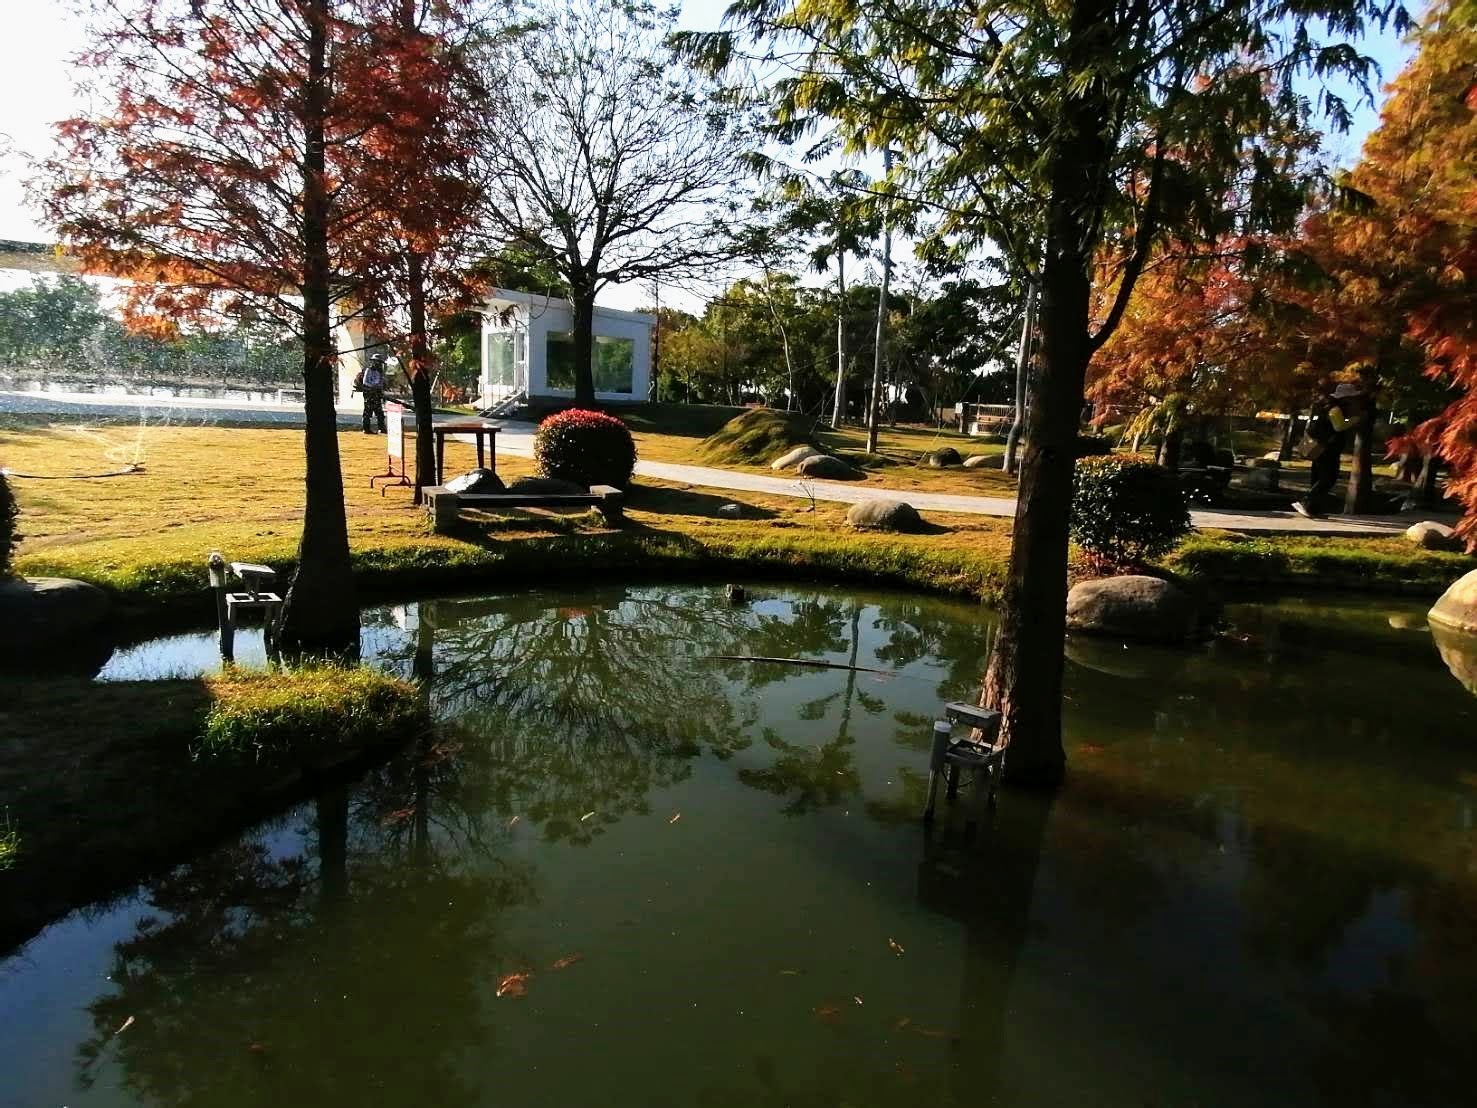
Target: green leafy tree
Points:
(1057, 135)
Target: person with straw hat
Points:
(1328, 438)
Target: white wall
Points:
(543, 317)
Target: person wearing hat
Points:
(1327, 438)
(371, 382)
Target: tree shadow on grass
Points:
(689, 502)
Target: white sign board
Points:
(395, 432)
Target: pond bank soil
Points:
(102, 784)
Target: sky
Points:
(36, 91)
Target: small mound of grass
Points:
(758, 436)
(273, 718)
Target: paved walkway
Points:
(517, 438)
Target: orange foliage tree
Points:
(240, 152)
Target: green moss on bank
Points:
(101, 783)
(1307, 561)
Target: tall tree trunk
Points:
(1172, 446)
(421, 372)
(838, 412)
(874, 404)
(321, 614)
(1022, 375)
(1359, 498)
(583, 300)
(1024, 678)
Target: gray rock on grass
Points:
(884, 515)
(827, 467)
(792, 458)
(1433, 536)
(984, 461)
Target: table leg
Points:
(440, 457)
(479, 451)
(492, 453)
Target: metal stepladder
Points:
(981, 756)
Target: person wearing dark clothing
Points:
(371, 382)
(1328, 438)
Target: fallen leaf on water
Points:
(514, 985)
(675, 818)
(858, 1001)
(902, 1024)
(931, 1033)
(400, 815)
(586, 816)
(567, 961)
(789, 973)
(828, 1012)
(512, 821)
(257, 1048)
(1090, 748)
(895, 946)
(126, 1025)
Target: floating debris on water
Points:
(513, 985)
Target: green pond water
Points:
(702, 881)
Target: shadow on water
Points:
(634, 868)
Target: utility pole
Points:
(874, 405)
(654, 392)
(840, 410)
(1022, 364)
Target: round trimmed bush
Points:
(1125, 510)
(9, 536)
(588, 448)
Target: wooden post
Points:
(216, 564)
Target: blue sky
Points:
(36, 90)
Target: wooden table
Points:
(475, 427)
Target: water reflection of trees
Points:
(373, 940)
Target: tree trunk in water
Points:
(421, 371)
(1022, 375)
(333, 845)
(1024, 678)
(1359, 499)
(838, 414)
(584, 345)
(321, 614)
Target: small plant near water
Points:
(588, 448)
(9, 537)
(1126, 511)
(10, 843)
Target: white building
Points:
(528, 349)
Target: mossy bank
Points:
(103, 783)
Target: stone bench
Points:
(445, 506)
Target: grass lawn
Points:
(675, 433)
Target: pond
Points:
(634, 868)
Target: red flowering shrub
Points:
(588, 448)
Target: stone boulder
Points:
(1263, 473)
(884, 515)
(828, 468)
(1433, 536)
(545, 486)
(984, 461)
(731, 511)
(1148, 609)
(944, 458)
(1457, 608)
(792, 458)
(41, 614)
(1458, 650)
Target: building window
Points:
(559, 368)
(614, 362)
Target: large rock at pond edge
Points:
(44, 613)
(944, 457)
(1149, 609)
(827, 467)
(792, 458)
(884, 515)
(1457, 608)
(545, 486)
(1458, 650)
(1433, 536)
(983, 461)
